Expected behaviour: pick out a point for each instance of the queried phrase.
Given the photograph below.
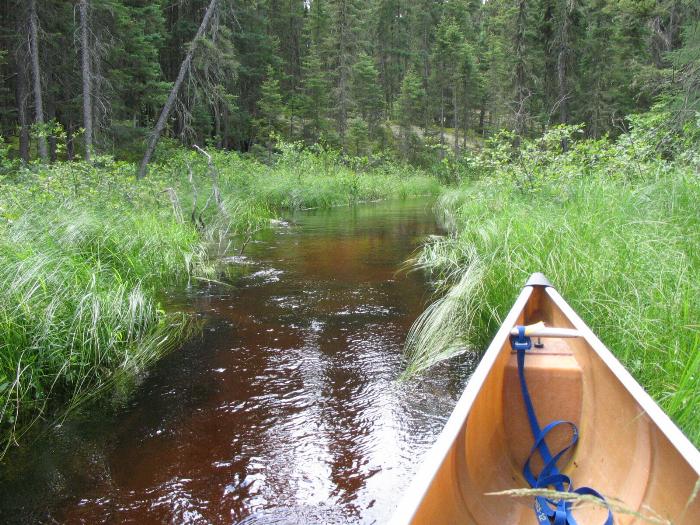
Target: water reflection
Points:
(287, 409)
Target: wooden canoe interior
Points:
(621, 453)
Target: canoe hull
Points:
(628, 449)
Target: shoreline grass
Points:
(86, 252)
(622, 249)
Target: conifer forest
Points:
(384, 76)
(159, 156)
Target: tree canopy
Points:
(95, 74)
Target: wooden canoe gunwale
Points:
(456, 424)
(433, 460)
(648, 405)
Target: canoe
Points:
(628, 449)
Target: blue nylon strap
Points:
(548, 511)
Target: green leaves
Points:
(613, 224)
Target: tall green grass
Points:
(301, 179)
(78, 305)
(622, 249)
(86, 252)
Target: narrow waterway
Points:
(286, 410)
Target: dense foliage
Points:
(614, 225)
(86, 252)
(414, 78)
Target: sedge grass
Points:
(624, 255)
(86, 252)
(78, 309)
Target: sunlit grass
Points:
(625, 256)
(87, 252)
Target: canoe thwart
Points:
(540, 330)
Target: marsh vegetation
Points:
(561, 135)
(87, 254)
(614, 224)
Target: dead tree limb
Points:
(175, 201)
(167, 108)
(36, 78)
(214, 174)
(87, 78)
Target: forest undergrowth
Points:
(613, 224)
(87, 252)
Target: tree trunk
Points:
(520, 76)
(217, 123)
(225, 137)
(442, 123)
(547, 39)
(87, 78)
(36, 78)
(70, 142)
(21, 100)
(465, 126)
(456, 123)
(482, 117)
(562, 62)
(53, 144)
(343, 70)
(167, 108)
(428, 110)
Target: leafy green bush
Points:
(85, 251)
(613, 224)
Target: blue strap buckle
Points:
(520, 342)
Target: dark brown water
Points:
(286, 410)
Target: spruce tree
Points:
(366, 91)
(410, 107)
(315, 97)
(270, 110)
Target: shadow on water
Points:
(285, 410)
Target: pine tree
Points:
(520, 76)
(134, 82)
(314, 100)
(410, 107)
(684, 91)
(270, 110)
(565, 42)
(452, 61)
(358, 143)
(256, 48)
(344, 39)
(366, 91)
(601, 68)
(393, 45)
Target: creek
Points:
(286, 409)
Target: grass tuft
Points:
(624, 253)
